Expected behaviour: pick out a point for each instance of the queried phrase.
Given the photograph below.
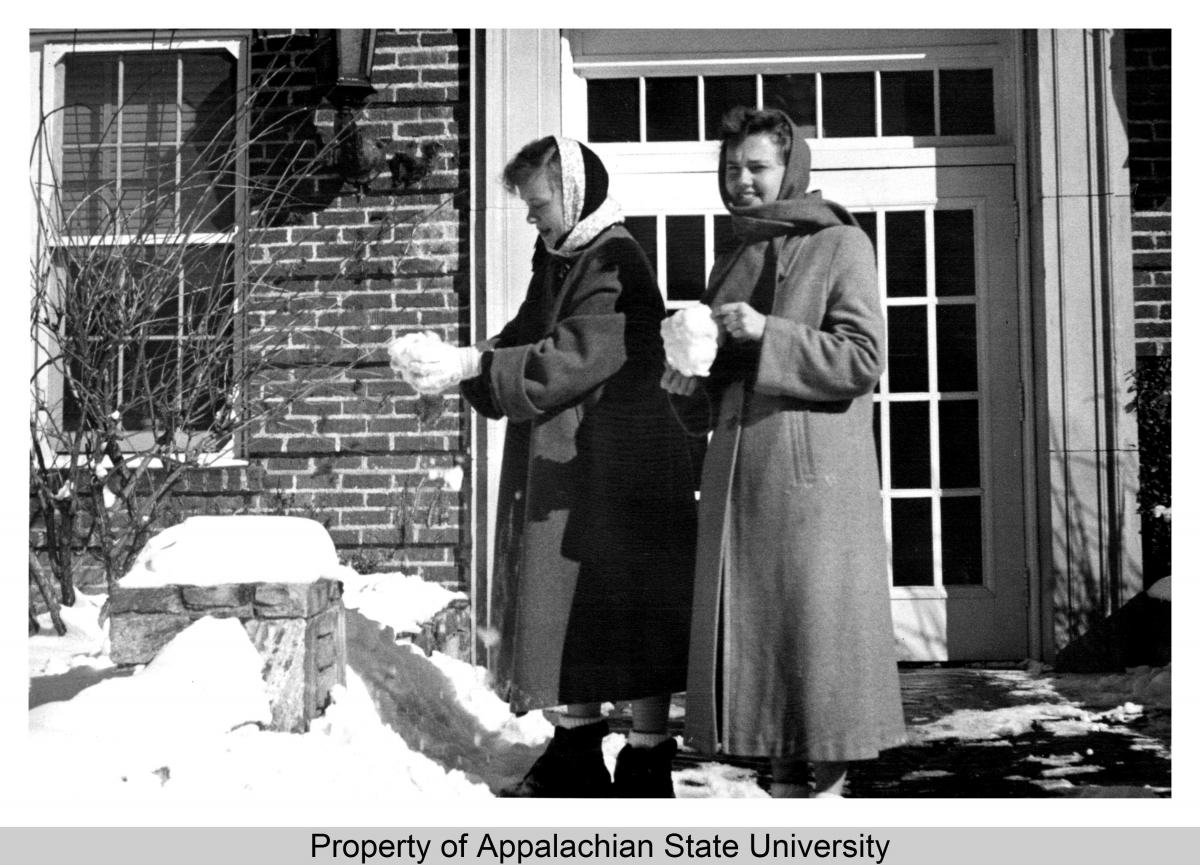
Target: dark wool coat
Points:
(792, 649)
(596, 520)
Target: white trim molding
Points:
(1082, 278)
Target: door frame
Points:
(1058, 73)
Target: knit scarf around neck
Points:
(795, 212)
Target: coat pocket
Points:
(799, 440)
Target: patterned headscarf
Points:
(587, 208)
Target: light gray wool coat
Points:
(791, 641)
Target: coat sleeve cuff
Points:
(508, 383)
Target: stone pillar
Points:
(299, 630)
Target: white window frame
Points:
(46, 61)
(827, 153)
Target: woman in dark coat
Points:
(792, 651)
(596, 521)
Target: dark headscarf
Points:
(795, 212)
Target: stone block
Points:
(280, 642)
(449, 632)
(210, 597)
(283, 600)
(165, 599)
(299, 630)
(137, 637)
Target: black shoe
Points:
(571, 767)
(645, 773)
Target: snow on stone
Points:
(396, 600)
(210, 551)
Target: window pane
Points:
(954, 252)
(685, 257)
(905, 231)
(209, 86)
(613, 109)
(645, 231)
(907, 101)
(796, 96)
(956, 353)
(89, 98)
(148, 187)
(208, 290)
(958, 433)
(848, 104)
(962, 541)
(967, 102)
(672, 109)
(150, 98)
(208, 157)
(722, 92)
(912, 542)
(150, 383)
(908, 349)
(909, 445)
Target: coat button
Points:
(518, 495)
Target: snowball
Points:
(690, 339)
(210, 551)
(404, 350)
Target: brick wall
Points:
(1148, 95)
(380, 466)
(1148, 100)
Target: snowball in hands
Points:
(690, 339)
(430, 365)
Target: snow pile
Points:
(1161, 589)
(690, 340)
(211, 551)
(187, 728)
(85, 643)
(1139, 686)
(480, 702)
(396, 600)
(174, 695)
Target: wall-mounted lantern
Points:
(354, 56)
(346, 69)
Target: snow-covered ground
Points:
(182, 736)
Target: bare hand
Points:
(741, 321)
(677, 383)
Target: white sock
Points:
(782, 790)
(647, 740)
(570, 722)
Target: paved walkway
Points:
(979, 732)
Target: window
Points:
(860, 104)
(138, 221)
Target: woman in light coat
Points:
(791, 651)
